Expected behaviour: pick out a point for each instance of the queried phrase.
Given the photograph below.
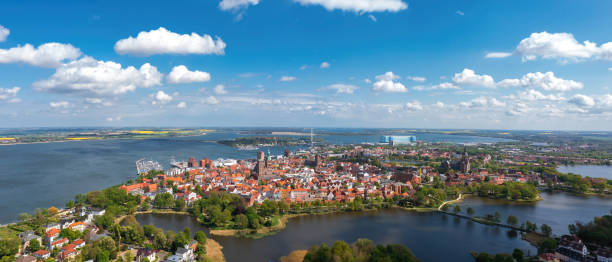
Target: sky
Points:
(544, 65)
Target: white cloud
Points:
(220, 90)
(582, 101)
(497, 55)
(45, 55)
(287, 78)
(386, 83)
(211, 100)
(181, 75)
(181, 105)
(236, 4)
(60, 104)
(546, 81)
(441, 86)
(417, 78)
(414, 106)
(470, 78)
(162, 98)
(459, 12)
(609, 68)
(439, 104)
(325, 65)
(111, 119)
(534, 95)
(483, 102)
(97, 101)
(303, 67)
(373, 18)
(561, 46)
(92, 77)
(162, 41)
(9, 93)
(367, 81)
(343, 88)
(4, 32)
(358, 6)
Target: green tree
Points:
(546, 230)
(241, 221)
(34, 245)
(518, 255)
(456, 209)
(497, 216)
(470, 211)
(512, 220)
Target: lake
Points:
(556, 209)
(49, 174)
(588, 170)
(424, 233)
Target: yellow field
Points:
(81, 138)
(147, 132)
(7, 138)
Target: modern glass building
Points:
(398, 139)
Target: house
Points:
(78, 243)
(182, 255)
(42, 254)
(68, 252)
(547, 257)
(52, 234)
(51, 226)
(58, 243)
(26, 237)
(143, 253)
(78, 226)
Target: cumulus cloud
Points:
(59, 104)
(417, 78)
(181, 105)
(441, 86)
(45, 55)
(561, 46)
(497, 55)
(358, 6)
(220, 90)
(9, 93)
(161, 98)
(483, 102)
(387, 83)
(236, 4)
(91, 77)
(211, 100)
(470, 78)
(547, 81)
(4, 32)
(181, 75)
(534, 95)
(582, 101)
(373, 18)
(287, 78)
(162, 41)
(414, 106)
(343, 88)
(97, 101)
(325, 65)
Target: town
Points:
(399, 172)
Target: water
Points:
(426, 234)
(49, 174)
(588, 170)
(557, 210)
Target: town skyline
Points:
(359, 64)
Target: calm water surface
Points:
(558, 210)
(588, 170)
(426, 234)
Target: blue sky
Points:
(345, 63)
